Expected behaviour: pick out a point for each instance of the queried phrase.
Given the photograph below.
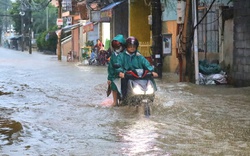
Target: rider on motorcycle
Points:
(118, 45)
(131, 59)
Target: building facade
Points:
(241, 54)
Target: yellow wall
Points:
(170, 63)
(138, 20)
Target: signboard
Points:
(88, 27)
(167, 44)
(106, 15)
(59, 21)
(95, 16)
(69, 20)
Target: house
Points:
(133, 18)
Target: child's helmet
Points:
(132, 41)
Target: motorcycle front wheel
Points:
(146, 106)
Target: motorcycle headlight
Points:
(138, 90)
(150, 89)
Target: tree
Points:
(5, 19)
(5, 5)
(38, 9)
(16, 17)
(40, 20)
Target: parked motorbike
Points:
(140, 90)
(98, 58)
(102, 57)
(93, 58)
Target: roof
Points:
(73, 26)
(111, 6)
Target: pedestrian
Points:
(99, 45)
(132, 59)
(118, 45)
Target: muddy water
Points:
(57, 108)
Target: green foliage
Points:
(51, 43)
(17, 18)
(85, 53)
(40, 19)
(39, 16)
(89, 43)
(4, 6)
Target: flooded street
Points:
(58, 108)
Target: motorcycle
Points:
(93, 58)
(140, 90)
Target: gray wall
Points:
(227, 50)
(241, 54)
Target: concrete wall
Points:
(75, 41)
(66, 47)
(226, 55)
(170, 62)
(241, 55)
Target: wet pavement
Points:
(58, 108)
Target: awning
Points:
(70, 27)
(89, 26)
(106, 12)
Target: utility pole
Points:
(196, 62)
(185, 44)
(22, 30)
(59, 55)
(22, 13)
(156, 36)
(30, 30)
(188, 27)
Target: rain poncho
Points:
(133, 61)
(112, 74)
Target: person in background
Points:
(132, 59)
(118, 45)
(99, 45)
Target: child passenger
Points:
(118, 45)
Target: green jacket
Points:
(113, 59)
(131, 62)
(134, 61)
(112, 74)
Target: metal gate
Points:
(208, 29)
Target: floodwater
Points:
(58, 108)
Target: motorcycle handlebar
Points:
(132, 74)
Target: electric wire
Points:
(214, 20)
(190, 38)
(33, 6)
(205, 14)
